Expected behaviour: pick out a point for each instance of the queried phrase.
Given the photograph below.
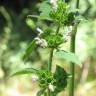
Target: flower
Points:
(51, 87)
(38, 40)
(54, 3)
(41, 42)
(34, 78)
(68, 34)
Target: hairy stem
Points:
(72, 65)
(72, 49)
(77, 4)
(51, 52)
(50, 58)
(57, 31)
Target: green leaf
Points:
(71, 57)
(39, 17)
(61, 79)
(45, 10)
(30, 23)
(25, 71)
(29, 50)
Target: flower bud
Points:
(40, 31)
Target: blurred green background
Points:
(16, 32)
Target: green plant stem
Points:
(58, 28)
(50, 58)
(72, 65)
(72, 49)
(51, 52)
(77, 4)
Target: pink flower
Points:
(34, 78)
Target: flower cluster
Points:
(40, 41)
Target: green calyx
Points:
(45, 79)
(54, 40)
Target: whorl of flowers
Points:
(40, 41)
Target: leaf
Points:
(30, 23)
(25, 71)
(39, 17)
(71, 57)
(61, 79)
(45, 10)
(29, 50)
